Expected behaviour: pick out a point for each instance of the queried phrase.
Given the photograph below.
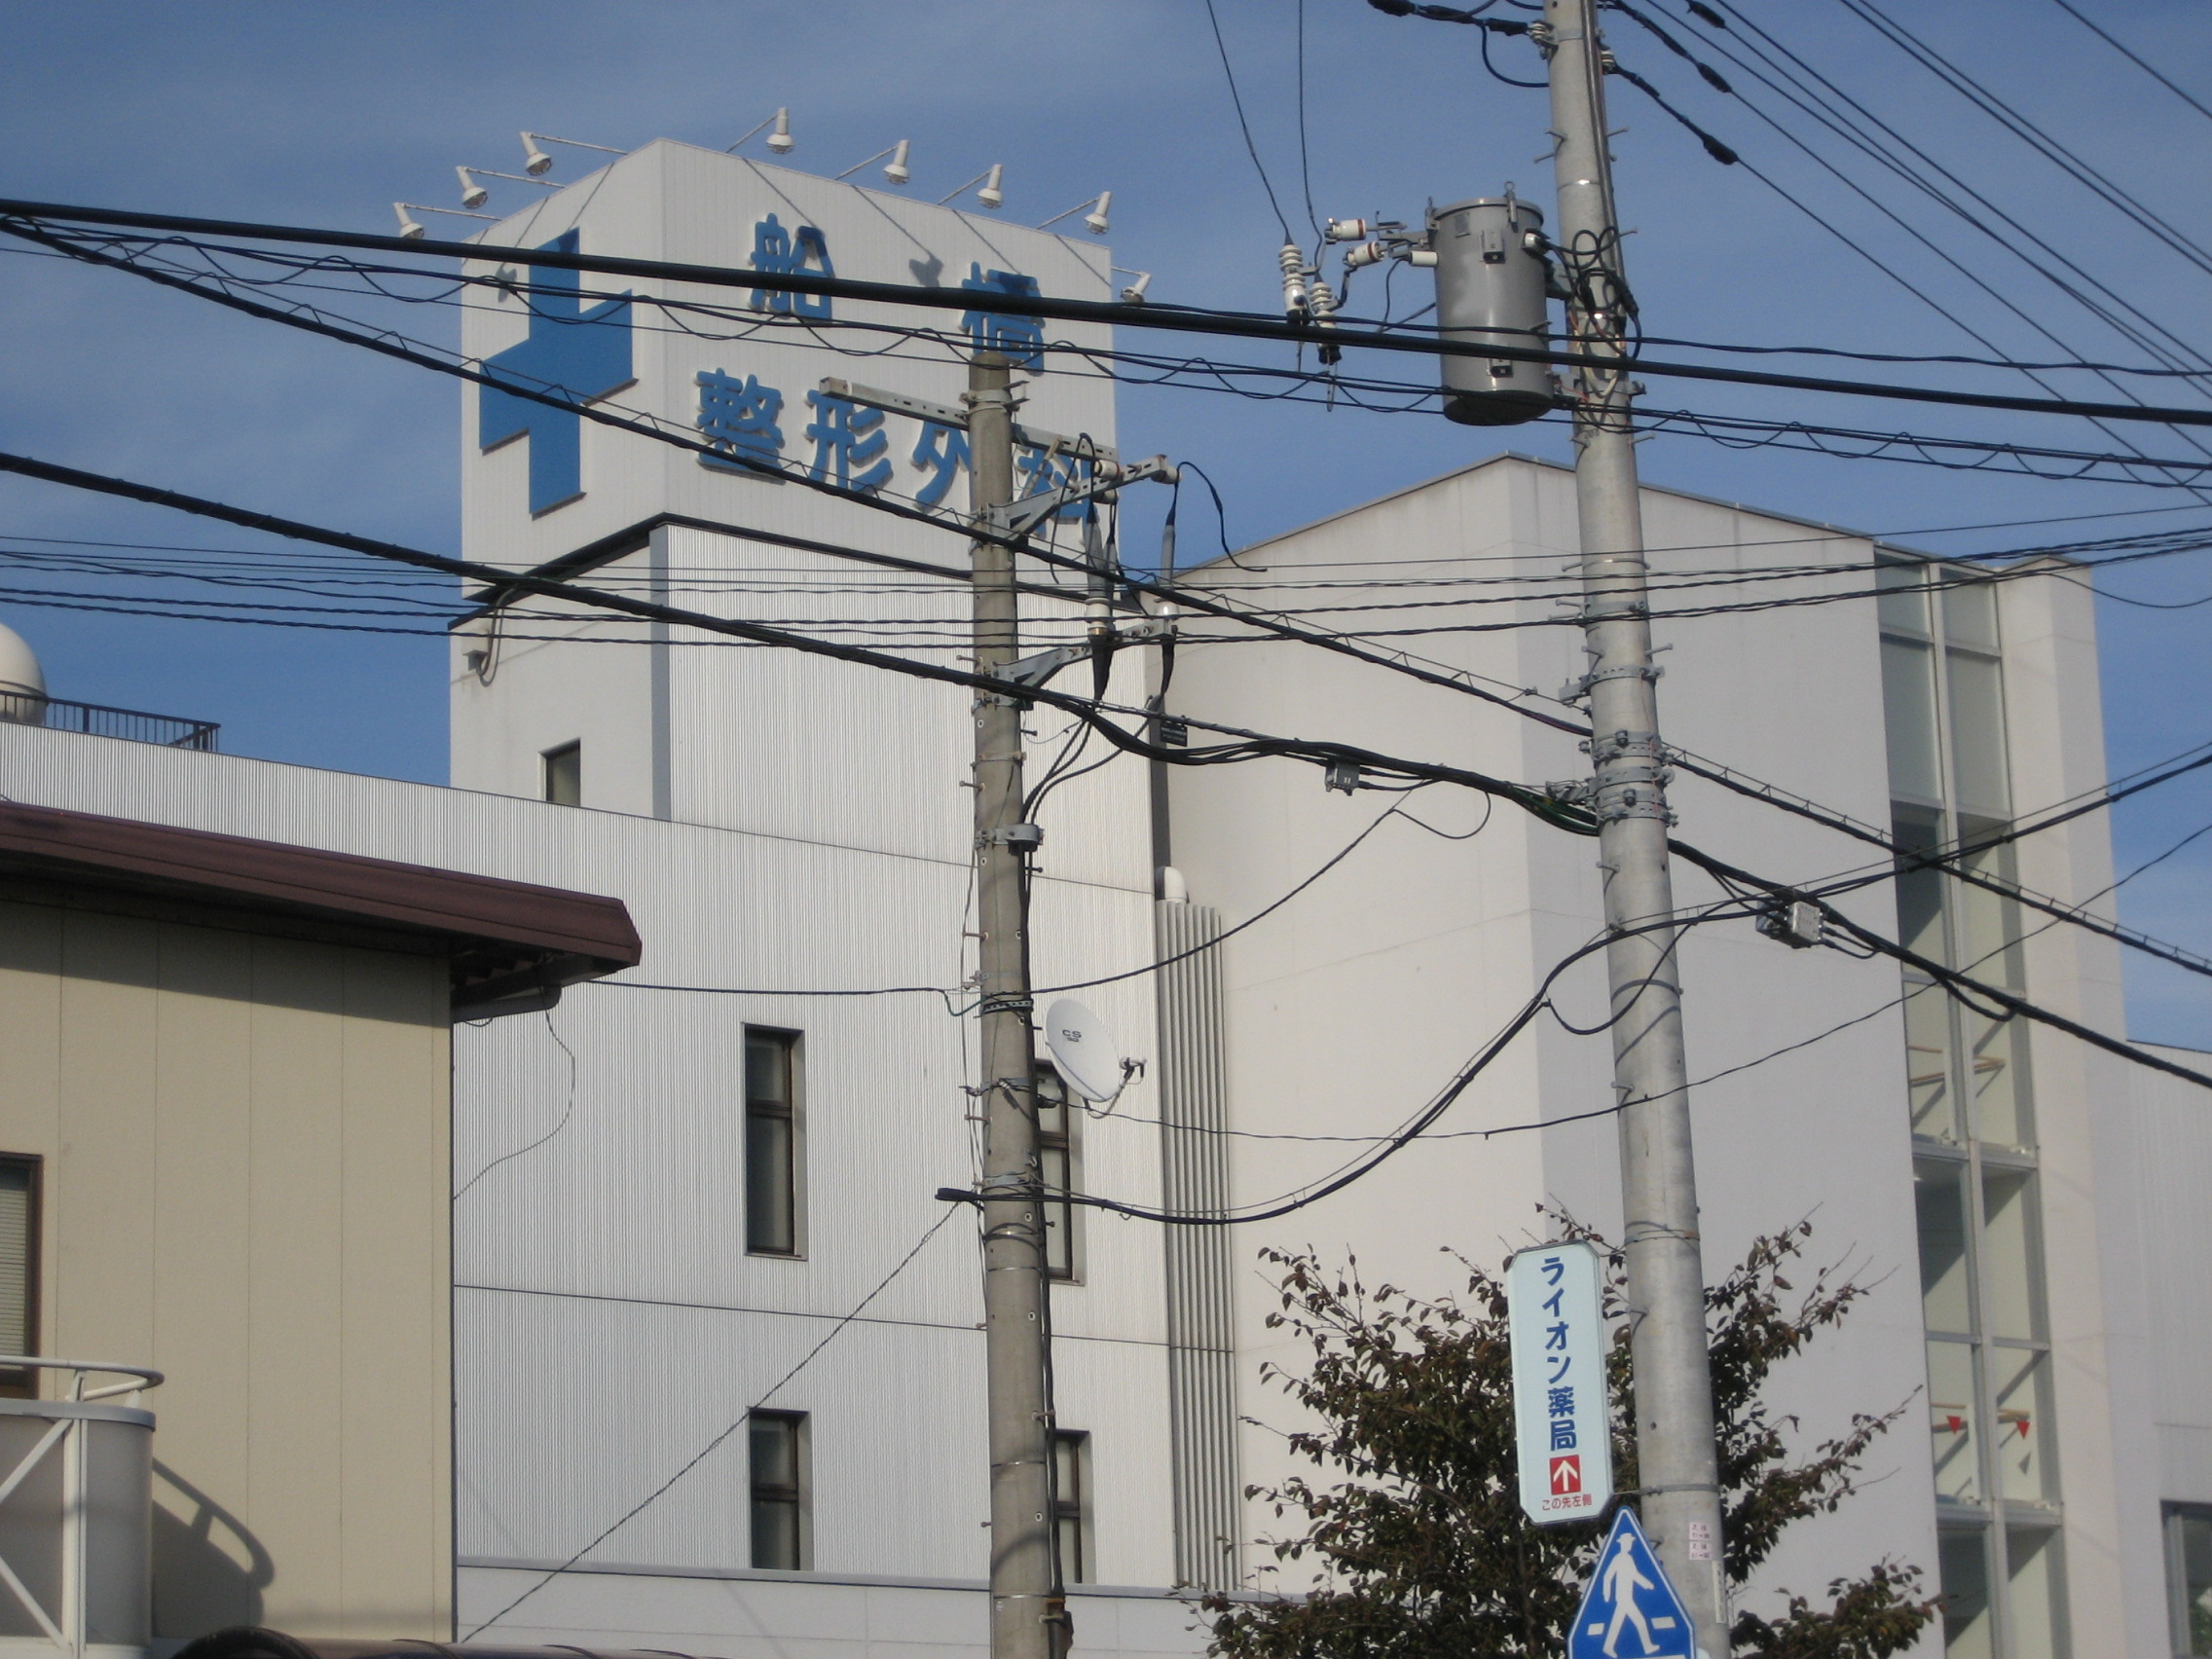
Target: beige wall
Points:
(246, 1165)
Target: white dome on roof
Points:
(22, 683)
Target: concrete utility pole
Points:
(1677, 1458)
(1027, 1613)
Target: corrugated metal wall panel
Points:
(1201, 1336)
(620, 1324)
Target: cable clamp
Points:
(1616, 803)
(1574, 691)
(1623, 746)
(1572, 791)
(1006, 1002)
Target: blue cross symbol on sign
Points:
(1629, 1611)
(572, 354)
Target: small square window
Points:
(565, 775)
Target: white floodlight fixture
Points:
(1133, 294)
(474, 195)
(993, 194)
(895, 171)
(1095, 221)
(538, 161)
(781, 140)
(413, 232)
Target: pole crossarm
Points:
(1173, 320)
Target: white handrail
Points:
(148, 1378)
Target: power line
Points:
(2094, 28)
(1539, 803)
(1962, 987)
(22, 220)
(1729, 430)
(1245, 127)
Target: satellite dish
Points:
(1083, 1050)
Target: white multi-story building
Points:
(692, 1413)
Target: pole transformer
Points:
(1677, 1458)
(1028, 1615)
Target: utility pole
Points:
(1678, 1461)
(1027, 1610)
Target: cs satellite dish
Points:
(1083, 1050)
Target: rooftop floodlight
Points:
(538, 162)
(1093, 221)
(993, 194)
(413, 232)
(474, 195)
(895, 171)
(1133, 294)
(781, 140)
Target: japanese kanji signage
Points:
(1560, 1417)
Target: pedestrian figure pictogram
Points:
(1629, 1611)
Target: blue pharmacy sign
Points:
(572, 354)
(1629, 1611)
(1563, 1425)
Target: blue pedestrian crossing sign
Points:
(1629, 1611)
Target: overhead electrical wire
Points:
(1851, 121)
(25, 219)
(1733, 431)
(1841, 125)
(1244, 126)
(1250, 745)
(2090, 23)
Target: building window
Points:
(19, 1270)
(771, 1143)
(1071, 1460)
(1057, 1172)
(1970, 1107)
(778, 1444)
(2188, 1578)
(564, 774)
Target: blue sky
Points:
(323, 114)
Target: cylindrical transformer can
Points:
(1490, 291)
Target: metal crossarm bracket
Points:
(1035, 669)
(1018, 518)
(946, 415)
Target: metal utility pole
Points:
(1027, 1613)
(1677, 1458)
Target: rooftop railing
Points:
(59, 714)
